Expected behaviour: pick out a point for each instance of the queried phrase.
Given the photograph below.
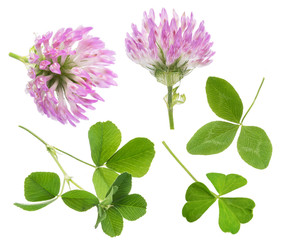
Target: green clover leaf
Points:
(131, 206)
(212, 138)
(103, 179)
(104, 139)
(232, 211)
(34, 207)
(112, 224)
(223, 99)
(199, 199)
(80, 200)
(134, 157)
(40, 186)
(253, 145)
(118, 204)
(226, 183)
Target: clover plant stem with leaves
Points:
(112, 179)
(232, 211)
(170, 107)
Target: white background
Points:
(249, 43)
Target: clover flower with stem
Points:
(65, 72)
(169, 51)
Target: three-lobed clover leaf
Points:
(118, 204)
(232, 211)
(253, 145)
(134, 157)
(40, 187)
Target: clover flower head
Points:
(169, 50)
(171, 46)
(65, 69)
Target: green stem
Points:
(75, 184)
(62, 188)
(79, 160)
(52, 151)
(67, 178)
(22, 59)
(179, 162)
(170, 107)
(57, 148)
(34, 135)
(253, 101)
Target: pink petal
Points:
(32, 73)
(55, 68)
(44, 64)
(80, 72)
(33, 58)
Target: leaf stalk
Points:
(179, 162)
(253, 101)
(52, 151)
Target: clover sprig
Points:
(112, 179)
(232, 211)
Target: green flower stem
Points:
(22, 59)
(180, 163)
(170, 107)
(253, 101)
